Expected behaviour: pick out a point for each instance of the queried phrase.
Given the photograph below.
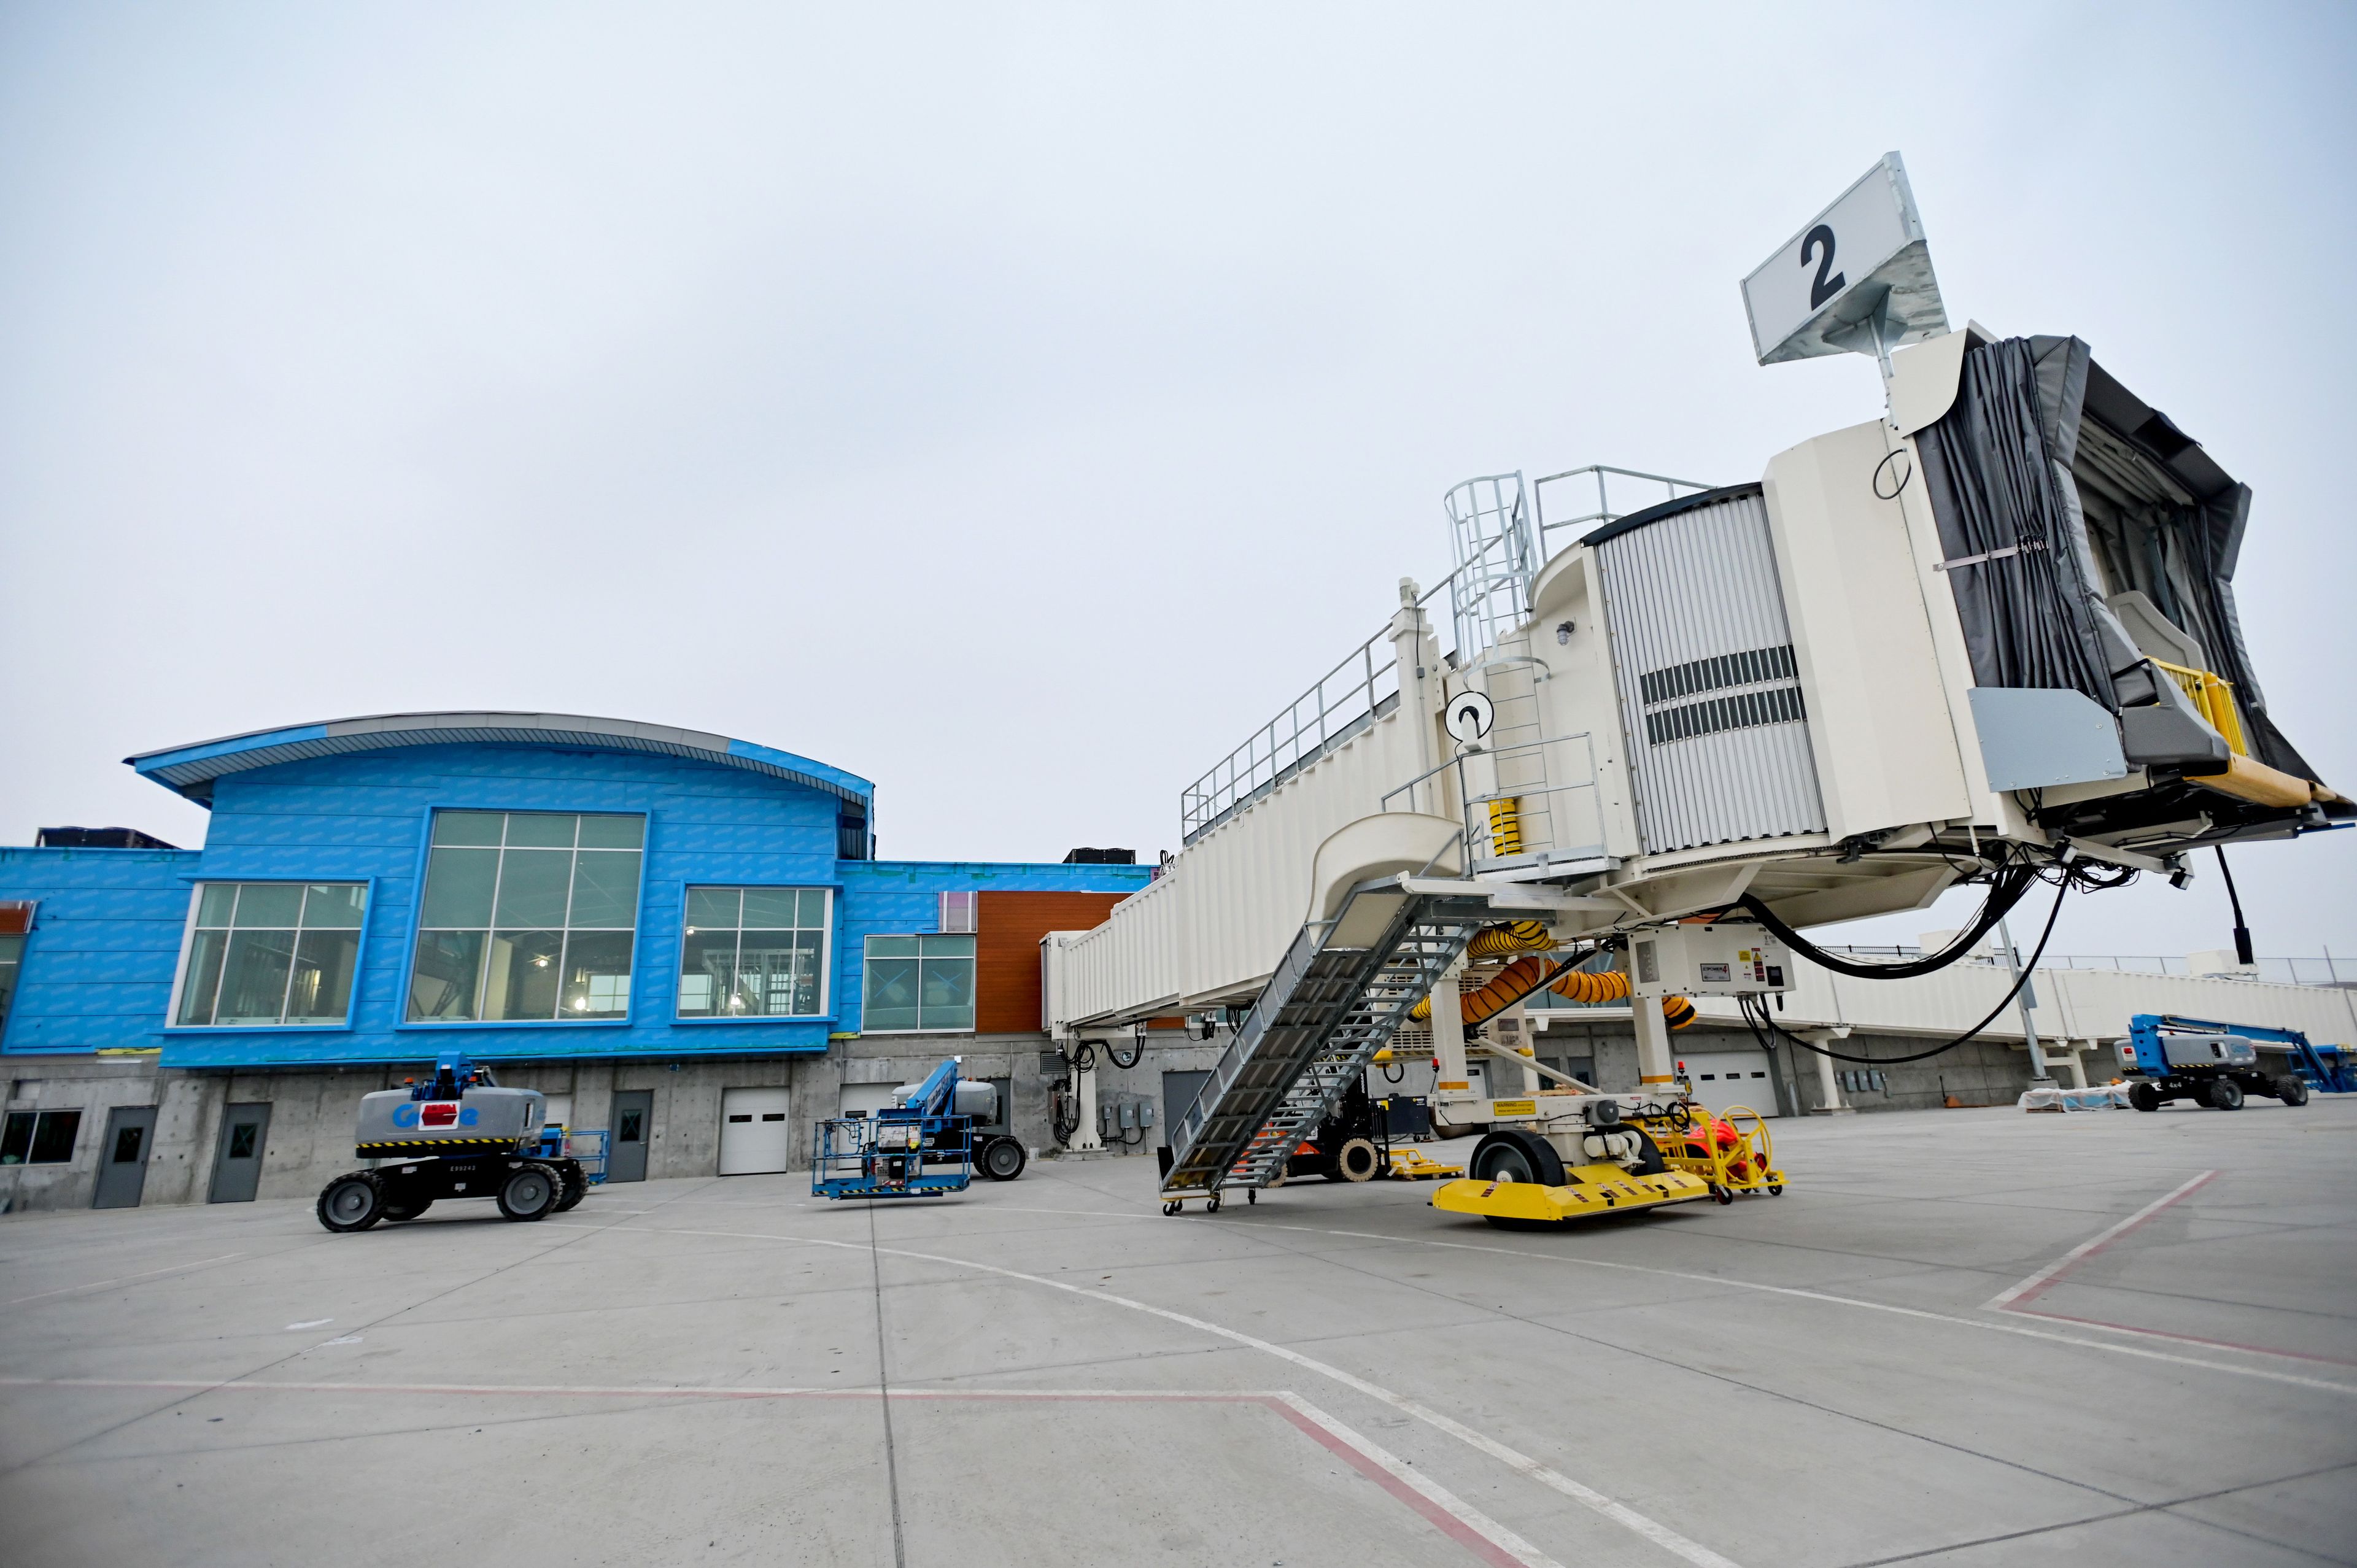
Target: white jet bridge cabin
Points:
(1990, 638)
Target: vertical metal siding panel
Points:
(1698, 586)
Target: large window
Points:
(271, 952)
(753, 952)
(12, 964)
(527, 915)
(39, 1137)
(917, 983)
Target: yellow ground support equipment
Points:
(1732, 1153)
(1587, 1191)
(1414, 1165)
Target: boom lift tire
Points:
(2144, 1097)
(2292, 1089)
(350, 1202)
(577, 1186)
(406, 1208)
(2225, 1094)
(1357, 1160)
(530, 1192)
(1002, 1159)
(1511, 1154)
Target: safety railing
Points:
(1362, 688)
(2324, 970)
(2213, 698)
(1542, 818)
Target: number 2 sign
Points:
(1864, 254)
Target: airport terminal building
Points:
(683, 938)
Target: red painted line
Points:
(1440, 1519)
(2182, 1339)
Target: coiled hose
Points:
(1526, 976)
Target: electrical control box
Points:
(1129, 1114)
(1730, 958)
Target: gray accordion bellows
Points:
(1718, 736)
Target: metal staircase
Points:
(1343, 988)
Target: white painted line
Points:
(1983, 1324)
(308, 1323)
(2037, 1281)
(1653, 1530)
(346, 1339)
(126, 1279)
(1447, 1512)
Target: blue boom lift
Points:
(2168, 1058)
(925, 1143)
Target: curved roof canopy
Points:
(191, 769)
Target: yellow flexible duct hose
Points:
(1513, 937)
(1505, 828)
(1525, 975)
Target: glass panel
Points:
(53, 1136)
(253, 978)
(324, 965)
(891, 946)
(126, 1144)
(890, 1002)
(533, 885)
(240, 1140)
(541, 830)
(708, 972)
(613, 833)
(11, 953)
(948, 946)
(814, 909)
(947, 999)
(772, 974)
(334, 905)
(468, 827)
(459, 887)
(215, 902)
(449, 966)
(712, 909)
(605, 889)
(203, 977)
(770, 908)
(520, 972)
(810, 960)
(269, 904)
(597, 975)
(633, 1127)
(17, 1141)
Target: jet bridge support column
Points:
(1450, 1081)
(1655, 1065)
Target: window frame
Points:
(423, 865)
(22, 912)
(33, 1135)
(973, 957)
(197, 886)
(827, 955)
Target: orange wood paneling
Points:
(1007, 928)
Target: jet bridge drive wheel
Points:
(1511, 1154)
(530, 1192)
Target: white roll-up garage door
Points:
(754, 1133)
(1723, 1078)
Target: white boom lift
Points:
(1989, 638)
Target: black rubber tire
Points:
(1170, 1209)
(2225, 1094)
(530, 1192)
(1513, 1155)
(1649, 1159)
(1002, 1159)
(406, 1206)
(351, 1202)
(575, 1185)
(2292, 1089)
(1358, 1160)
(1211, 1204)
(2144, 1097)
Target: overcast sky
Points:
(1017, 405)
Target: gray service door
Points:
(1179, 1091)
(237, 1164)
(123, 1157)
(626, 1148)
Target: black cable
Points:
(1137, 1054)
(2005, 889)
(2241, 932)
(1762, 1016)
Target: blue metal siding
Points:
(99, 969)
(97, 964)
